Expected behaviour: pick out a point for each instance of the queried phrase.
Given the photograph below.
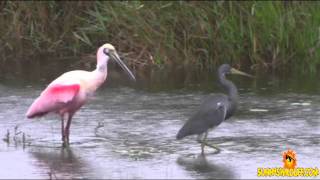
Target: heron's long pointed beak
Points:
(116, 57)
(235, 71)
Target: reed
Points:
(280, 36)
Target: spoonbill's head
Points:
(107, 51)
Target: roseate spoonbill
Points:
(66, 94)
(214, 109)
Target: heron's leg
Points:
(203, 142)
(210, 145)
(213, 147)
(67, 130)
(199, 138)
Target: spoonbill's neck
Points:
(101, 70)
(102, 62)
(102, 66)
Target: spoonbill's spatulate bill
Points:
(214, 110)
(66, 94)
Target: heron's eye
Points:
(106, 51)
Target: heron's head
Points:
(227, 69)
(107, 51)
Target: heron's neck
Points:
(229, 87)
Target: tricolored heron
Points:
(66, 94)
(214, 110)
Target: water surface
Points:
(129, 132)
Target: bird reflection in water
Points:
(200, 165)
(60, 163)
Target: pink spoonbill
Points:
(66, 94)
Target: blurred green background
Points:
(281, 37)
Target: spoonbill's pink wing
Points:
(54, 97)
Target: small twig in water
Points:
(7, 138)
(23, 138)
(100, 125)
(52, 175)
(16, 132)
(15, 129)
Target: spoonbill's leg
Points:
(62, 128)
(65, 140)
(67, 130)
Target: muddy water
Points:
(126, 132)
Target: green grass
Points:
(263, 35)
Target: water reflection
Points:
(60, 162)
(209, 170)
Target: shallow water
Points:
(128, 132)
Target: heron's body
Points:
(214, 110)
(208, 116)
(66, 94)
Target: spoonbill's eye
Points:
(106, 51)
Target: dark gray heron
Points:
(214, 110)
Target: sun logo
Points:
(289, 159)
